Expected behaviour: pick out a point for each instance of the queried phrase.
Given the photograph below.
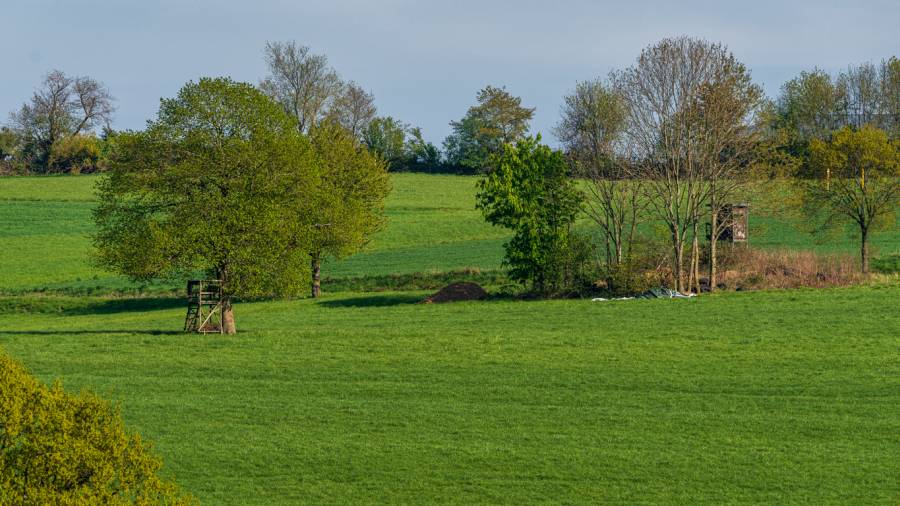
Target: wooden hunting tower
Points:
(735, 222)
(204, 313)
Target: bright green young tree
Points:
(856, 179)
(221, 182)
(349, 199)
(529, 192)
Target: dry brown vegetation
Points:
(752, 269)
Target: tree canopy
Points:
(529, 192)
(349, 198)
(497, 119)
(856, 179)
(222, 181)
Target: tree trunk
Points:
(678, 261)
(316, 275)
(228, 326)
(864, 250)
(713, 241)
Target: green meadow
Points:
(364, 396)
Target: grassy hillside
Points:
(433, 226)
(766, 397)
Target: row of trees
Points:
(257, 184)
(675, 138)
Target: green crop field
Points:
(367, 397)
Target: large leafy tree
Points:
(221, 181)
(857, 179)
(497, 119)
(349, 198)
(529, 192)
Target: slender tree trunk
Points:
(695, 260)
(678, 260)
(864, 250)
(316, 274)
(713, 242)
(228, 326)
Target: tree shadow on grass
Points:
(88, 332)
(112, 306)
(373, 301)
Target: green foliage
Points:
(889, 264)
(423, 156)
(856, 180)
(349, 198)
(9, 143)
(386, 138)
(220, 181)
(498, 119)
(807, 107)
(58, 448)
(75, 154)
(529, 192)
(10, 152)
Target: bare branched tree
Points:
(673, 142)
(591, 131)
(302, 82)
(354, 108)
(728, 108)
(63, 106)
(94, 104)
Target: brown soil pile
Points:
(456, 292)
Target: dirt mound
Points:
(456, 292)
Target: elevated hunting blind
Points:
(734, 220)
(204, 312)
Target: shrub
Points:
(529, 192)
(76, 154)
(58, 448)
(889, 264)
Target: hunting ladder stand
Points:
(204, 313)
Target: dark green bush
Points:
(58, 448)
(889, 264)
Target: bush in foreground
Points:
(58, 448)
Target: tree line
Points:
(674, 139)
(257, 184)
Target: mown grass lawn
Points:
(775, 397)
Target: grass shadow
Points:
(88, 332)
(373, 301)
(112, 306)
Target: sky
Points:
(423, 60)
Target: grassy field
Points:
(784, 397)
(763, 397)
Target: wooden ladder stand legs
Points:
(204, 312)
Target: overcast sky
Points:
(423, 60)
